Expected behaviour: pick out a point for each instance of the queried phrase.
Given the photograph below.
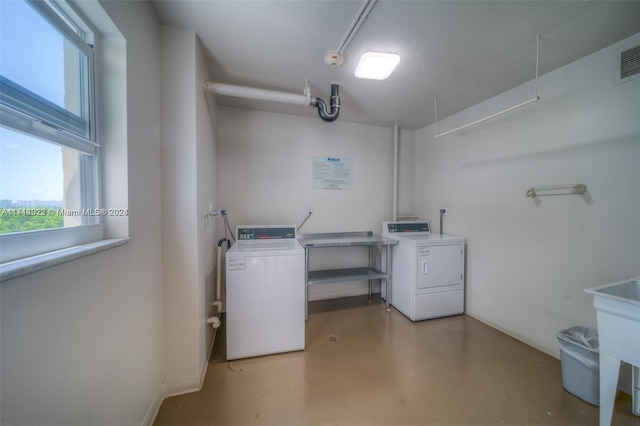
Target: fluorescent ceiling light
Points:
(377, 65)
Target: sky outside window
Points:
(32, 55)
(31, 51)
(30, 169)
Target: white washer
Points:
(428, 271)
(265, 292)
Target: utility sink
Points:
(618, 311)
(624, 291)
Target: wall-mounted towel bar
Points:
(541, 191)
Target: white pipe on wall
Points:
(217, 303)
(395, 173)
(259, 94)
(218, 294)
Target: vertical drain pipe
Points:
(395, 173)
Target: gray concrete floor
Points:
(364, 365)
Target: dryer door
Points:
(439, 266)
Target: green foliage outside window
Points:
(30, 219)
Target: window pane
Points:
(43, 61)
(40, 184)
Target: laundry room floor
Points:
(364, 365)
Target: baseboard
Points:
(179, 387)
(154, 408)
(500, 329)
(205, 362)
(191, 383)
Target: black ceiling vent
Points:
(628, 67)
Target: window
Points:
(49, 158)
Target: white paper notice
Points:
(332, 173)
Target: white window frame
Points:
(21, 246)
(49, 128)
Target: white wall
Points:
(82, 341)
(265, 177)
(528, 261)
(188, 184)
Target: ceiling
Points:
(463, 52)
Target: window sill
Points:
(18, 268)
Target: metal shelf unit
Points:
(348, 239)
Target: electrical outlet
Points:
(446, 210)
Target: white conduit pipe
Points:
(260, 94)
(395, 173)
(358, 20)
(214, 320)
(218, 295)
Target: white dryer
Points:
(265, 292)
(428, 271)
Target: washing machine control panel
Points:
(402, 227)
(265, 232)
